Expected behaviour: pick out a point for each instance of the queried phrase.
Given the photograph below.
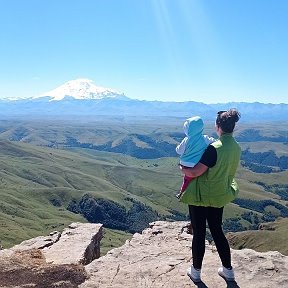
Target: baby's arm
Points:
(181, 147)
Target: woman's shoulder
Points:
(217, 144)
(209, 157)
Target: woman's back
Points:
(216, 187)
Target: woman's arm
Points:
(195, 171)
(208, 160)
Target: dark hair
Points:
(226, 120)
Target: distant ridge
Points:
(82, 98)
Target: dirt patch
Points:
(29, 269)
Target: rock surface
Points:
(38, 243)
(28, 268)
(78, 244)
(51, 261)
(160, 256)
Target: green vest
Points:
(216, 187)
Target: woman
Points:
(207, 194)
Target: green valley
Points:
(124, 174)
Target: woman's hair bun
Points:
(226, 119)
(234, 114)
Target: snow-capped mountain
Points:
(82, 98)
(81, 89)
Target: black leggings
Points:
(198, 216)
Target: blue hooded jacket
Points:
(194, 144)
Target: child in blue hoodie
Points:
(192, 146)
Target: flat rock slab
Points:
(38, 242)
(160, 256)
(78, 244)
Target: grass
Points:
(37, 183)
(274, 237)
(113, 239)
(279, 148)
(26, 214)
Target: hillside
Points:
(144, 138)
(270, 237)
(37, 185)
(45, 186)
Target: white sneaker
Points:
(227, 274)
(194, 274)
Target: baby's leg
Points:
(186, 181)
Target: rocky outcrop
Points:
(77, 244)
(51, 261)
(40, 242)
(158, 257)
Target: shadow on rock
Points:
(232, 284)
(201, 285)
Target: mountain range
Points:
(82, 98)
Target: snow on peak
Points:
(81, 89)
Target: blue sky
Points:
(210, 51)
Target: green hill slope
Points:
(37, 184)
(271, 236)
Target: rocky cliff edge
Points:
(158, 257)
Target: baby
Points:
(192, 146)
